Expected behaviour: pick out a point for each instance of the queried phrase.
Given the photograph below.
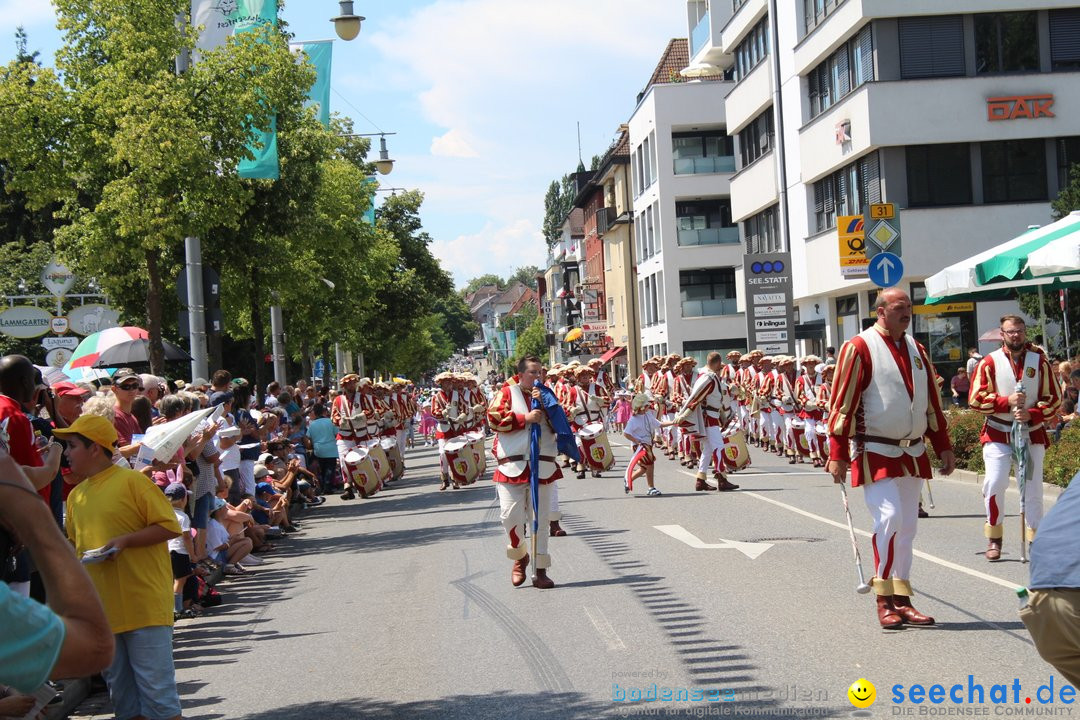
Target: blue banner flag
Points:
(319, 54)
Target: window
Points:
(700, 349)
(703, 152)
(762, 232)
(843, 71)
(752, 50)
(1006, 42)
(639, 178)
(815, 11)
(611, 310)
(1068, 155)
(931, 46)
(705, 222)
(939, 175)
(846, 191)
(1014, 171)
(707, 291)
(1065, 39)
(647, 171)
(650, 229)
(847, 305)
(757, 138)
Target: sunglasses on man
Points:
(130, 387)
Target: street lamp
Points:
(347, 24)
(384, 164)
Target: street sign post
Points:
(886, 269)
(770, 310)
(882, 229)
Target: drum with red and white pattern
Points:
(596, 447)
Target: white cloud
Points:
(453, 144)
(498, 249)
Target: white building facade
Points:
(687, 247)
(962, 114)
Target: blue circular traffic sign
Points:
(885, 269)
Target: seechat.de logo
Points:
(768, 267)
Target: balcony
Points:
(605, 218)
(700, 35)
(704, 165)
(709, 308)
(709, 236)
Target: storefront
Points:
(946, 330)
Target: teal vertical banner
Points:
(369, 214)
(249, 15)
(319, 55)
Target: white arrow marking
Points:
(885, 265)
(750, 549)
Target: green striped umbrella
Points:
(1011, 263)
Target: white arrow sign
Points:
(750, 549)
(885, 264)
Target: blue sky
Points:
(484, 95)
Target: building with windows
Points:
(963, 118)
(686, 245)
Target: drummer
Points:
(589, 406)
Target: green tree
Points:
(526, 274)
(138, 156)
(1068, 199)
(532, 342)
(478, 282)
(457, 324)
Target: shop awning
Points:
(612, 354)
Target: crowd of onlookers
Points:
(153, 536)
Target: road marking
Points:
(604, 627)
(749, 549)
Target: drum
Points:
(597, 449)
(460, 460)
(476, 447)
(379, 458)
(736, 453)
(823, 439)
(393, 455)
(362, 471)
(798, 429)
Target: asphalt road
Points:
(401, 607)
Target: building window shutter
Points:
(866, 55)
(843, 76)
(870, 171)
(931, 46)
(1065, 39)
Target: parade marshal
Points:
(884, 407)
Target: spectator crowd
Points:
(153, 537)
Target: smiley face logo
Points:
(862, 693)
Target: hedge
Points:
(1062, 459)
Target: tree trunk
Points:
(257, 331)
(153, 313)
(305, 360)
(326, 364)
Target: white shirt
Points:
(643, 427)
(216, 535)
(176, 544)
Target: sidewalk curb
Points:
(1049, 489)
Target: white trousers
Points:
(711, 444)
(515, 505)
(554, 513)
(811, 435)
(999, 461)
(344, 447)
(789, 432)
(770, 425)
(444, 466)
(894, 505)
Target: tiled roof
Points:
(675, 58)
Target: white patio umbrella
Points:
(1060, 256)
(959, 278)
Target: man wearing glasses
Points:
(126, 386)
(1015, 382)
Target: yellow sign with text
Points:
(943, 308)
(853, 260)
(882, 211)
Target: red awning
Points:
(611, 354)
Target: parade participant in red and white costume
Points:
(768, 425)
(446, 408)
(685, 431)
(744, 394)
(729, 373)
(1013, 383)
(809, 412)
(669, 432)
(510, 416)
(706, 399)
(785, 402)
(824, 398)
(587, 404)
(603, 377)
(346, 414)
(885, 400)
